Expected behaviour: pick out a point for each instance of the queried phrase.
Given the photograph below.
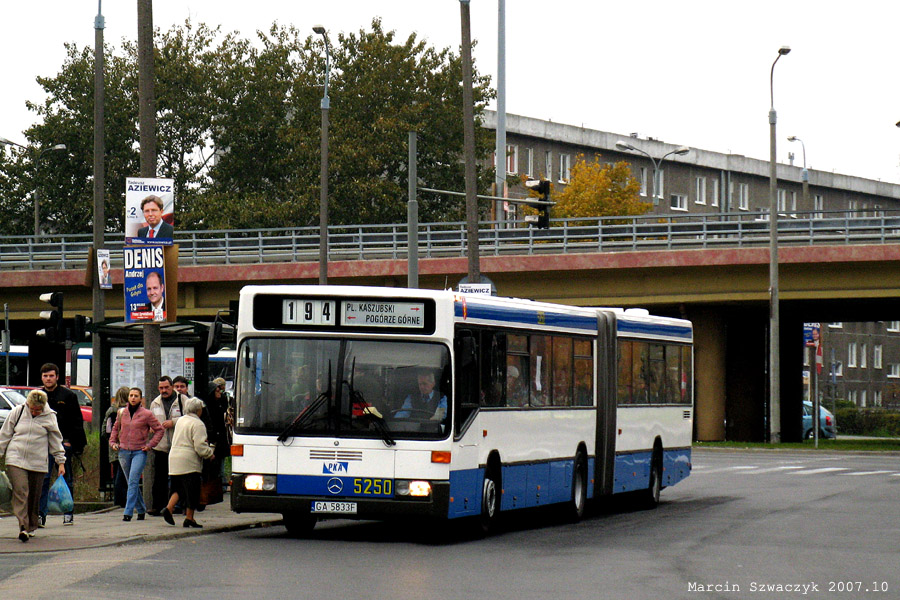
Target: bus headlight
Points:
(259, 483)
(405, 487)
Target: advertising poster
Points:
(145, 284)
(149, 211)
(103, 271)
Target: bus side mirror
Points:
(214, 338)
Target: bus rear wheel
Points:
(651, 494)
(299, 524)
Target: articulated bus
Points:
(372, 403)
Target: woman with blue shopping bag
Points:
(131, 436)
(29, 434)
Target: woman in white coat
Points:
(189, 447)
(29, 434)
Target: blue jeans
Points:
(132, 463)
(52, 468)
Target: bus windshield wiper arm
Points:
(307, 413)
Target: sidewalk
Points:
(106, 528)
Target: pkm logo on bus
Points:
(335, 468)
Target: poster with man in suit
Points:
(149, 211)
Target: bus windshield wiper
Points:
(307, 413)
(360, 408)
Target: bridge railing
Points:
(389, 241)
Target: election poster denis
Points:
(149, 211)
(145, 284)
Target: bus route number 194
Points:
(303, 311)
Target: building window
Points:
(782, 201)
(548, 164)
(564, 167)
(714, 201)
(893, 326)
(876, 356)
(744, 196)
(853, 205)
(793, 204)
(660, 179)
(851, 354)
(679, 202)
(818, 206)
(840, 325)
(895, 371)
(644, 181)
(863, 349)
(862, 398)
(839, 369)
(877, 398)
(700, 190)
(512, 160)
(529, 162)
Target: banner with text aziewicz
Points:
(145, 284)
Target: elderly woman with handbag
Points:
(29, 434)
(189, 447)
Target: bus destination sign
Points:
(301, 311)
(380, 313)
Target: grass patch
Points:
(839, 445)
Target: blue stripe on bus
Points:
(637, 327)
(524, 316)
(632, 470)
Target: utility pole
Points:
(469, 143)
(99, 307)
(147, 123)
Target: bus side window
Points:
(466, 392)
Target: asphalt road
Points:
(743, 523)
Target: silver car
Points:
(9, 399)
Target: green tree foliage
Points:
(238, 127)
(598, 189)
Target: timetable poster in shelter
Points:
(149, 211)
(145, 284)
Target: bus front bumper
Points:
(434, 506)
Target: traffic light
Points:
(80, 331)
(53, 331)
(542, 188)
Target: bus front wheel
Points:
(490, 502)
(299, 524)
(651, 494)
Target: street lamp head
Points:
(784, 50)
(625, 146)
(793, 138)
(682, 150)
(319, 29)
(59, 147)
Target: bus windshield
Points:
(342, 387)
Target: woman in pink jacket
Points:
(131, 437)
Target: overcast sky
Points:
(694, 72)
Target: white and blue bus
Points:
(371, 403)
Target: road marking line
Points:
(868, 473)
(773, 469)
(822, 470)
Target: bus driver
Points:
(428, 399)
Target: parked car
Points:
(9, 399)
(85, 401)
(826, 422)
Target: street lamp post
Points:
(774, 329)
(38, 156)
(679, 151)
(323, 173)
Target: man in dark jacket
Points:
(71, 425)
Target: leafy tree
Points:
(238, 126)
(597, 189)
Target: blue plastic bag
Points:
(60, 498)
